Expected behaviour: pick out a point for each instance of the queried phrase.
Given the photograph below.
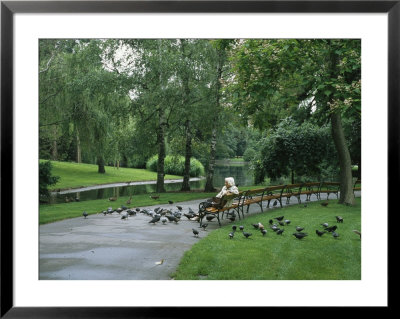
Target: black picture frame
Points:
(9, 8)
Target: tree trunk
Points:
(211, 163)
(161, 152)
(188, 155)
(292, 176)
(346, 177)
(54, 152)
(101, 165)
(213, 143)
(78, 148)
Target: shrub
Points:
(45, 178)
(249, 154)
(175, 165)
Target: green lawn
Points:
(283, 257)
(74, 175)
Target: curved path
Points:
(107, 247)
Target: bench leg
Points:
(219, 223)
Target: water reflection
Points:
(242, 174)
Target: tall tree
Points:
(320, 76)
(221, 47)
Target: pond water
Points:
(241, 172)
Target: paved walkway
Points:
(107, 247)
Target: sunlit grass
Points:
(74, 175)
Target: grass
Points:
(280, 257)
(75, 175)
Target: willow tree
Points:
(85, 95)
(277, 78)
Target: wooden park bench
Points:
(292, 190)
(309, 189)
(205, 208)
(260, 195)
(329, 188)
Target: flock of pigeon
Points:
(164, 215)
(299, 234)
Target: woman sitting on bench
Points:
(228, 189)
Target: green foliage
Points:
(46, 178)
(249, 154)
(175, 165)
(293, 147)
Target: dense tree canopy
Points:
(280, 101)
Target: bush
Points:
(45, 178)
(249, 154)
(175, 165)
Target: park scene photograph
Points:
(199, 159)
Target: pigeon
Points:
(319, 233)
(85, 214)
(131, 212)
(325, 225)
(234, 228)
(179, 207)
(195, 232)
(241, 228)
(210, 217)
(339, 219)
(260, 226)
(281, 223)
(119, 210)
(124, 217)
(280, 231)
(324, 204)
(247, 235)
(299, 229)
(305, 205)
(163, 220)
(170, 202)
(300, 235)
(287, 221)
(279, 218)
(331, 229)
(275, 203)
(155, 219)
(255, 226)
(357, 232)
(274, 227)
(173, 219)
(204, 226)
(188, 216)
(124, 207)
(104, 212)
(264, 231)
(270, 221)
(191, 211)
(231, 234)
(335, 235)
(137, 209)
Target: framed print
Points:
(25, 23)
